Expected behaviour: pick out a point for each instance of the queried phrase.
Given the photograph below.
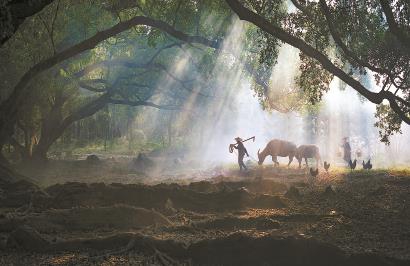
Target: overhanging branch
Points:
(350, 54)
(143, 103)
(16, 96)
(394, 28)
(265, 25)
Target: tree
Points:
(14, 12)
(114, 89)
(9, 107)
(362, 39)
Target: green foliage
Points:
(142, 64)
(138, 65)
(313, 79)
(388, 122)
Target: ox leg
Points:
(275, 160)
(306, 162)
(290, 159)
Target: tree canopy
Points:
(73, 58)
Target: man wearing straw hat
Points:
(347, 150)
(241, 152)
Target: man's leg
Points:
(244, 166)
(240, 162)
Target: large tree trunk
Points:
(30, 140)
(3, 160)
(54, 126)
(18, 11)
(40, 151)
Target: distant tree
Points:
(9, 108)
(128, 68)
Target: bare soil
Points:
(264, 217)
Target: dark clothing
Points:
(241, 153)
(347, 156)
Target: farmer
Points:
(241, 152)
(347, 151)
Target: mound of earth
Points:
(255, 186)
(234, 223)
(84, 219)
(293, 193)
(240, 249)
(92, 159)
(80, 194)
(143, 162)
(17, 190)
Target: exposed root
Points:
(236, 249)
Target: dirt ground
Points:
(267, 216)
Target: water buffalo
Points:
(308, 151)
(275, 148)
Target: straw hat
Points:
(238, 139)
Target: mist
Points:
(235, 111)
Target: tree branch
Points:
(262, 23)
(351, 55)
(248, 68)
(143, 103)
(132, 64)
(8, 108)
(394, 28)
(90, 43)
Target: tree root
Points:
(236, 249)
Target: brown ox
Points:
(308, 151)
(275, 148)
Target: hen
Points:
(314, 173)
(326, 165)
(367, 165)
(352, 164)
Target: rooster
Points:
(352, 164)
(367, 165)
(314, 173)
(326, 166)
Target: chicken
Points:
(326, 165)
(352, 164)
(314, 173)
(367, 165)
